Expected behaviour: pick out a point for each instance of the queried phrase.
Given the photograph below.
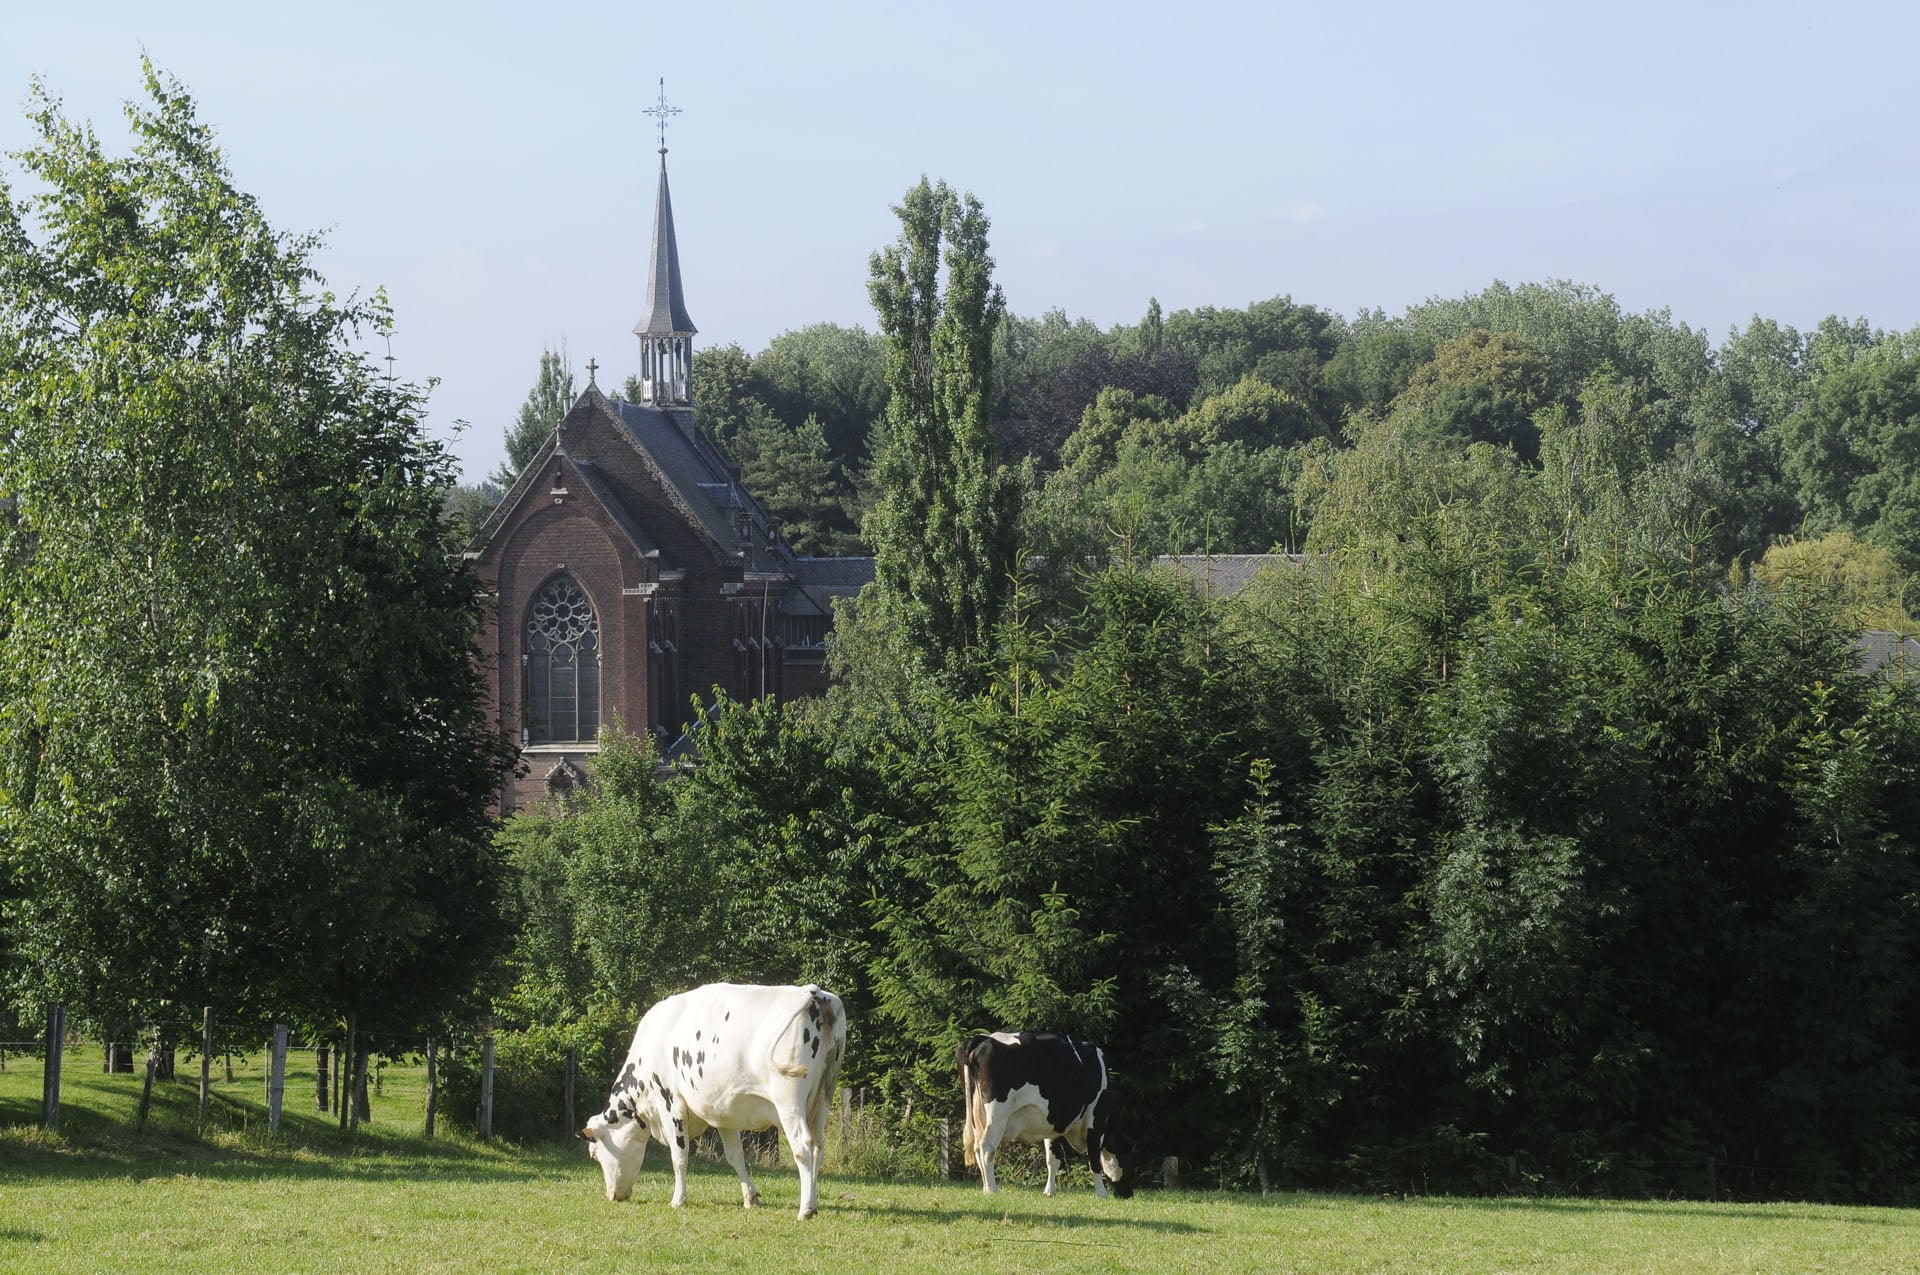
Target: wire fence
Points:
(337, 1068)
(335, 1074)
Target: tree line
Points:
(1535, 826)
(1194, 432)
(1514, 835)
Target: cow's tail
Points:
(822, 1096)
(790, 1061)
(972, 1099)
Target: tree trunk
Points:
(485, 1117)
(50, 1078)
(206, 1064)
(146, 1090)
(276, 1077)
(433, 1086)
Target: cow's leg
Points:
(679, 1148)
(806, 1156)
(1054, 1164)
(737, 1157)
(1097, 1160)
(992, 1130)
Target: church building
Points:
(633, 573)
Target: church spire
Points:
(665, 331)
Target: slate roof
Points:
(1225, 574)
(699, 475)
(1882, 650)
(818, 581)
(590, 473)
(834, 573)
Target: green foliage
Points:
(1861, 583)
(1850, 448)
(834, 376)
(1279, 342)
(243, 759)
(547, 403)
(942, 524)
(796, 479)
(1483, 387)
(466, 511)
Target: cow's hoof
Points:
(807, 1213)
(750, 1201)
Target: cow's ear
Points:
(587, 1133)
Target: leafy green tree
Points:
(547, 402)
(1114, 415)
(942, 526)
(1860, 582)
(1283, 343)
(1249, 412)
(1370, 369)
(833, 375)
(1850, 449)
(1761, 377)
(467, 509)
(724, 399)
(243, 759)
(1483, 387)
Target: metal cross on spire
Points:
(661, 111)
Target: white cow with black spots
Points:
(731, 1057)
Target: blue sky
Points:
(489, 164)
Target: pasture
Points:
(99, 1196)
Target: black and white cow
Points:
(1038, 1085)
(730, 1057)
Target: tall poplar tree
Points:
(943, 525)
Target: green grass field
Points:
(101, 1197)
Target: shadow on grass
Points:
(99, 1139)
(1726, 1211)
(960, 1201)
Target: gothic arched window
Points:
(563, 666)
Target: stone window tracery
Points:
(563, 665)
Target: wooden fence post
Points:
(56, 1050)
(206, 1064)
(1713, 1185)
(433, 1086)
(146, 1090)
(573, 1067)
(276, 1077)
(343, 1095)
(946, 1150)
(1170, 1173)
(485, 1120)
(320, 1065)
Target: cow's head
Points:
(619, 1147)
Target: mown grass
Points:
(101, 1196)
